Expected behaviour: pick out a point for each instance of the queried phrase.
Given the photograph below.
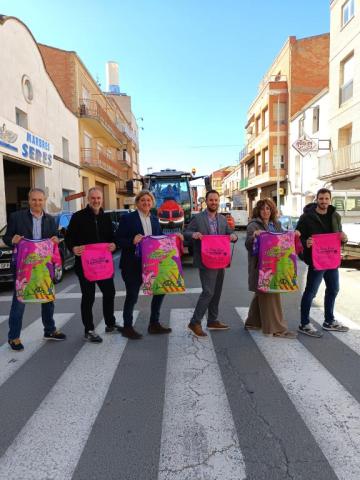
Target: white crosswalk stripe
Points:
(196, 412)
(330, 412)
(31, 337)
(46, 449)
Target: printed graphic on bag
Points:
(35, 262)
(277, 263)
(215, 251)
(162, 271)
(326, 251)
(97, 262)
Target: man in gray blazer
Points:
(208, 222)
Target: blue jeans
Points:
(313, 281)
(16, 316)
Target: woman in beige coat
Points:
(265, 312)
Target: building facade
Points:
(107, 136)
(311, 124)
(341, 167)
(299, 72)
(234, 198)
(38, 134)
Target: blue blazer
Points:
(129, 226)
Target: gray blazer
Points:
(200, 223)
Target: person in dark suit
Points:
(33, 224)
(208, 222)
(132, 228)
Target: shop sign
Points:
(20, 143)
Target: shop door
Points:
(17, 185)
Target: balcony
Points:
(92, 110)
(98, 161)
(342, 163)
(120, 186)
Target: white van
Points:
(240, 217)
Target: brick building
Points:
(298, 73)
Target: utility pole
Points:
(278, 156)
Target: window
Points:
(347, 12)
(301, 127)
(281, 107)
(27, 89)
(258, 163)
(251, 170)
(257, 125)
(316, 119)
(345, 136)
(65, 148)
(265, 118)
(279, 156)
(265, 160)
(21, 118)
(346, 79)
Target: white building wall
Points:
(48, 117)
(344, 40)
(303, 172)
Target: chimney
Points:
(112, 78)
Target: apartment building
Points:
(341, 167)
(39, 139)
(234, 198)
(297, 74)
(216, 182)
(108, 140)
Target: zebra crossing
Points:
(198, 433)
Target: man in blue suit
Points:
(132, 228)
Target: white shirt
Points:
(146, 223)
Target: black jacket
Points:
(21, 223)
(85, 227)
(309, 223)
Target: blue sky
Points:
(192, 67)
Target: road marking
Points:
(327, 408)
(351, 339)
(68, 288)
(31, 337)
(120, 293)
(199, 439)
(3, 318)
(51, 442)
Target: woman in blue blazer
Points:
(132, 228)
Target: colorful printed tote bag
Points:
(35, 263)
(162, 271)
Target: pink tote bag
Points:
(97, 262)
(326, 251)
(215, 251)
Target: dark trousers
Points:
(313, 280)
(211, 282)
(88, 297)
(132, 284)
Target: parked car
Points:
(288, 222)
(62, 221)
(6, 274)
(115, 216)
(230, 219)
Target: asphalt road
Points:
(234, 406)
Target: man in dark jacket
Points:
(319, 217)
(33, 224)
(87, 226)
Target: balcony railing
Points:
(92, 109)
(244, 183)
(120, 186)
(98, 160)
(344, 162)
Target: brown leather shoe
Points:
(197, 330)
(131, 333)
(158, 329)
(216, 325)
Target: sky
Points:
(191, 67)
